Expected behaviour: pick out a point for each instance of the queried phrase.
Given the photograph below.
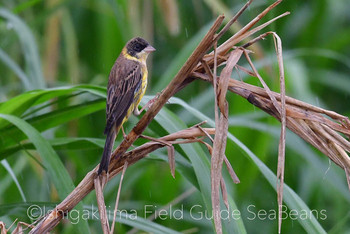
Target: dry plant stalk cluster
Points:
(308, 121)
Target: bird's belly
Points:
(138, 96)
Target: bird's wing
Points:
(123, 84)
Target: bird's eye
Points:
(138, 47)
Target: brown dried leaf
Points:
(216, 166)
(231, 171)
(224, 192)
(282, 143)
(347, 174)
(267, 89)
(210, 149)
(171, 159)
(101, 202)
(225, 76)
(246, 70)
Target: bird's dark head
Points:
(138, 47)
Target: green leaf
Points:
(63, 143)
(21, 103)
(16, 69)
(51, 161)
(143, 224)
(29, 48)
(6, 165)
(52, 119)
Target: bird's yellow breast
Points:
(138, 95)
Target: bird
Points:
(127, 84)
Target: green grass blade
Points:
(16, 69)
(51, 161)
(12, 135)
(21, 103)
(143, 224)
(6, 165)
(25, 5)
(63, 143)
(29, 48)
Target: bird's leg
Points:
(124, 135)
(137, 112)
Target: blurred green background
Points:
(51, 137)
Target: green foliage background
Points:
(55, 57)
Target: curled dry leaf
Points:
(225, 76)
(171, 158)
(101, 205)
(230, 170)
(224, 193)
(216, 166)
(282, 142)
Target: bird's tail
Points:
(111, 134)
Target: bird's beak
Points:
(149, 49)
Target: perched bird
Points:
(126, 86)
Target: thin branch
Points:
(234, 19)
